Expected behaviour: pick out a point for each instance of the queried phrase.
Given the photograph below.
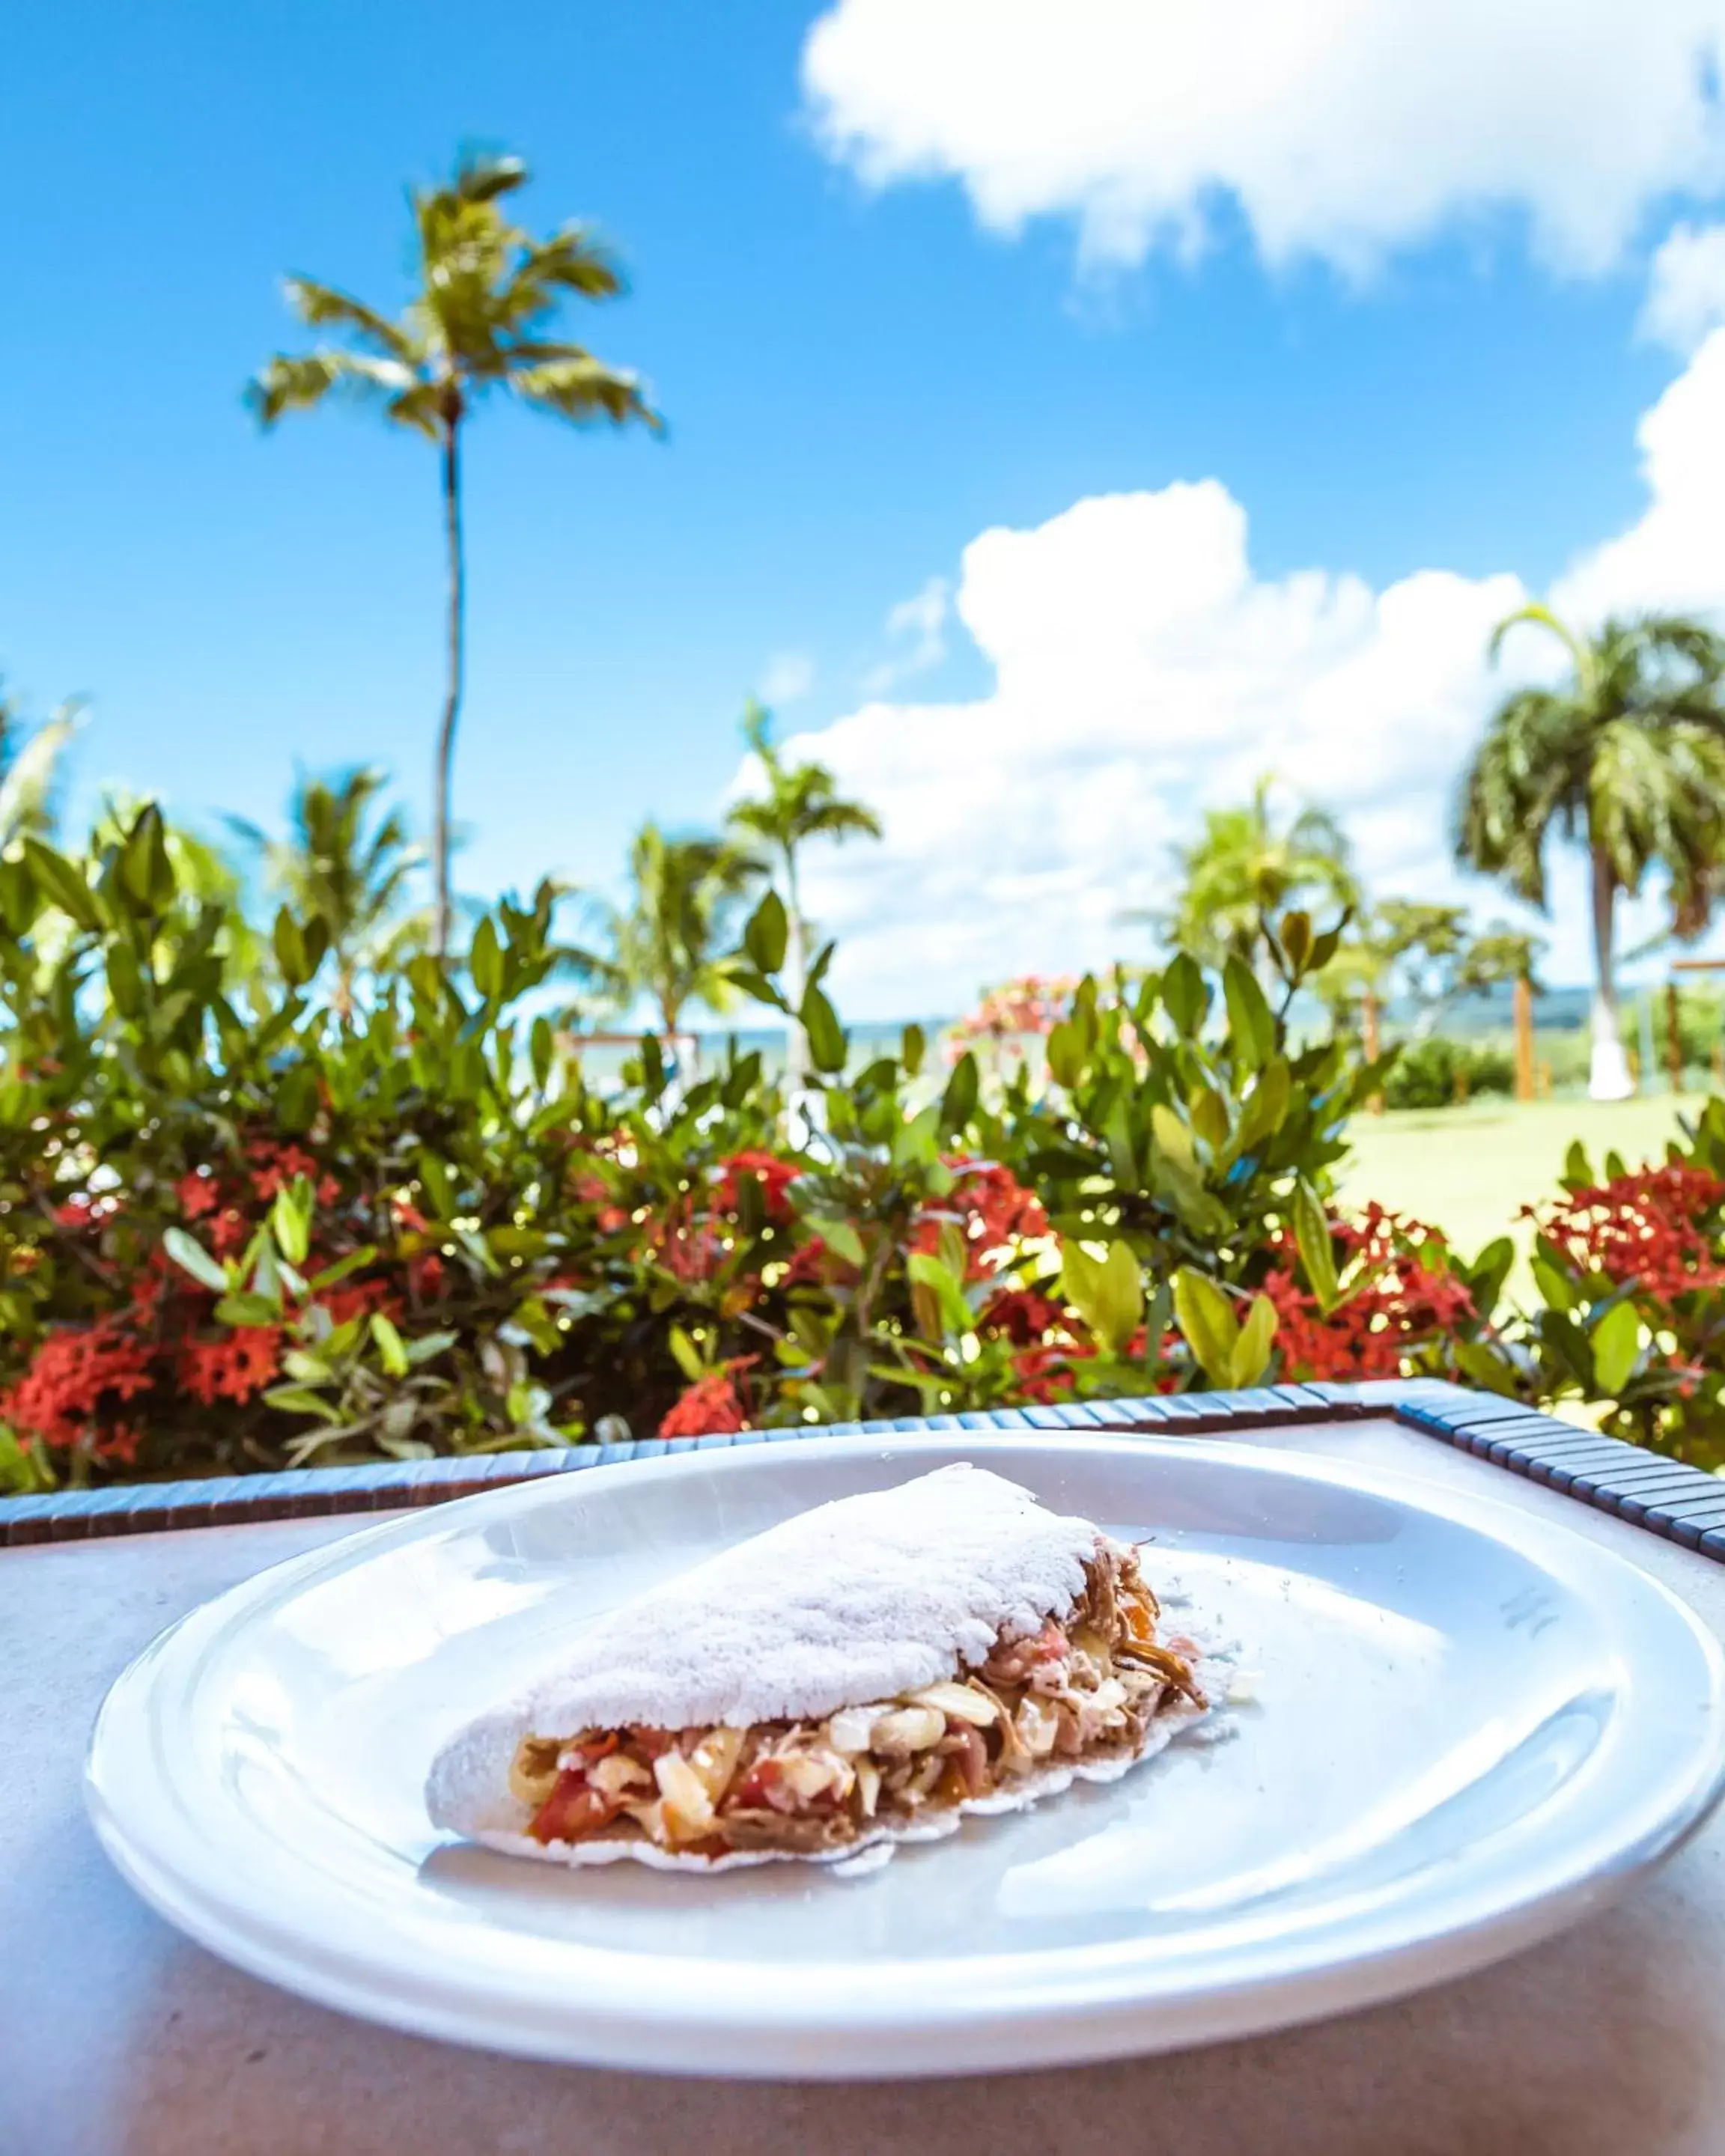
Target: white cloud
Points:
(788, 677)
(917, 635)
(1339, 128)
(1685, 287)
(1674, 555)
(1142, 669)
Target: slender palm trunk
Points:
(452, 700)
(796, 971)
(1372, 1042)
(1608, 1078)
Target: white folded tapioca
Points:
(868, 1671)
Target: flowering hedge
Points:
(240, 1228)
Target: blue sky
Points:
(860, 380)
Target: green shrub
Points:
(1438, 1073)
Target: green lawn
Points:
(1469, 1170)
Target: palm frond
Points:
(290, 383)
(581, 388)
(325, 307)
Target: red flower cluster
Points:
(1407, 1296)
(991, 1209)
(75, 1372)
(1656, 1226)
(774, 1175)
(710, 1405)
(274, 1165)
(235, 1367)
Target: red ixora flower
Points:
(75, 1372)
(233, 1368)
(1408, 1296)
(774, 1175)
(990, 1207)
(709, 1406)
(1656, 1226)
(276, 1165)
(198, 1193)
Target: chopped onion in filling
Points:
(1090, 1684)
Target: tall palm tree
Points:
(337, 866)
(1247, 865)
(1628, 756)
(670, 944)
(487, 296)
(803, 802)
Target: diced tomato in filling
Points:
(573, 1809)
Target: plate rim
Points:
(1072, 2023)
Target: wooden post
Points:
(1524, 1038)
(1673, 1036)
(1368, 1030)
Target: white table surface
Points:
(119, 2038)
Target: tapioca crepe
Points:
(863, 1674)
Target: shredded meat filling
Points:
(1087, 1687)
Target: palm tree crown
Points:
(486, 299)
(1628, 757)
(671, 943)
(353, 876)
(1246, 866)
(803, 802)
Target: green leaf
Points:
(287, 943)
(842, 1240)
(1185, 995)
(925, 1270)
(912, 1047)
(62, 883)
(485, 961)
(1317, 1255)
(1250, 1358)
(1617, 1346)
(290, 1217)
(827, 1048)
(1266, 1105)
(295, 1399)
(1066, 1055)
(958, 1101)
(190, 1255)
(1209, 1117)
(1576, 1169)
(146, 875)
(1205, 1317)
(1251, 1025)
(685, 1354)
(249, 1310)
(1108, 1294)
(1173, 1137)
(543, 1050)
(1295, 938)
(768, 934)
(1477, 1361)
(1555, 1286)
(331, 1276)
(1486, 1276)
(429, 1344)
(392, 1349)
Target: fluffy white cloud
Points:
(788, 677)
(1674, 556)
(916, 635)
(1685, 287)
(1340, 128)
(1142, 670)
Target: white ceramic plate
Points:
(1470, 1728)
